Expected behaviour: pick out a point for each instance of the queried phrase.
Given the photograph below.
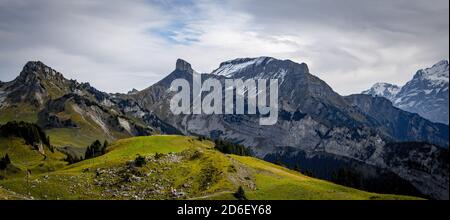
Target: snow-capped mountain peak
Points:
(386, 90)
(260, 68)
(438, 74)
(426, 94)
(232, 67)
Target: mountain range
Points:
(316, 125)
(426, 94)
(74, 114)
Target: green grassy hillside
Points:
(86, 132)
(8, 195)
(177, 167)
(21, 112)
(24, 157)
(90, 124)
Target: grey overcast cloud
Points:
(119, 45)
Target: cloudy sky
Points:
(118, 45)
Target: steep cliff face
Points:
(424, 165)
(398, 124)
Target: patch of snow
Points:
(428, 91)
(281, 75)
(438, 74)
(229, 68)
(412, 94)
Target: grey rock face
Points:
(2, 97)
(399, 125)
(424, 165)
(183, 66)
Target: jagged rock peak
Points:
(35, 66)
(441, 63)
(183, 65)
(438, 72)
(305, 67)
(38, 68)
(133, 91)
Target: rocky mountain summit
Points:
(65, 107)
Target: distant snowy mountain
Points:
(426, 94)
(386, 90)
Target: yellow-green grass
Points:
(81, 137)
(25, 157)
(86, 132)
(200, 164)
(76, 181)
(278, 183)
(73, 137)
(127, 149)
(54, 187)
(178, 174)
(8, 195)
(21, 112)
(54, 91)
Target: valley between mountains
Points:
(61, 139)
